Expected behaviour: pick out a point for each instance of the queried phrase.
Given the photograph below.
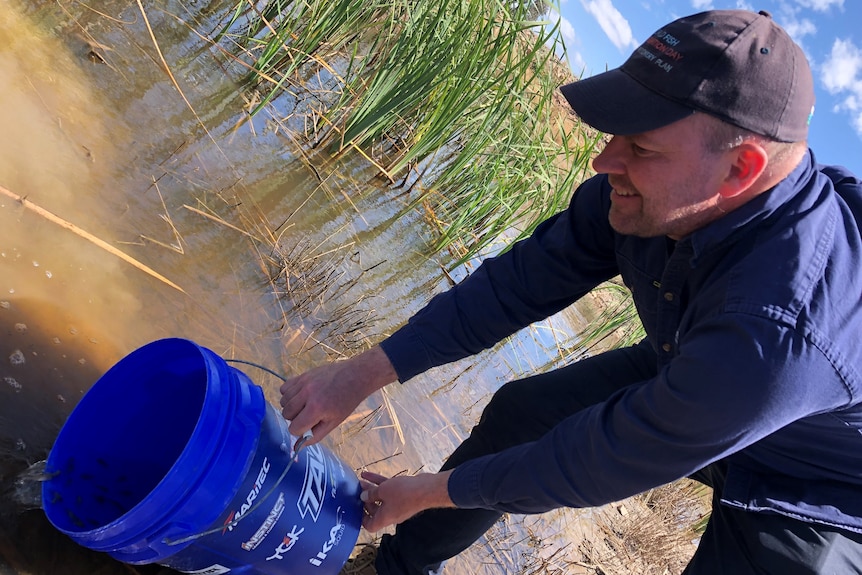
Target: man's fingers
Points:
(371, 504)
(369, 496)
(289, 412)
(298, 426)
(376, 515)
(321, 430)
(292, 402)
(373, 523)
(288, 390)
(365, 485)
(292, 412)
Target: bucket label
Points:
(235, 516)
(286, 544)
(294, 512)
(334, 539)
(267, 525)
(314, 486)
(211, 570)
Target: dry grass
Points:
(651, 534)
(314, 286)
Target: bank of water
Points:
(95, 131)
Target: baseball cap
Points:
(736, 65)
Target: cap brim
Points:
(615, 103)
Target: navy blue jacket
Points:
(756, 320)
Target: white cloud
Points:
(710, 5)
(567, 32)
(612, 23)
(799, 28)
(821, 5)
(575, 59)
(843, 69)
(841, 74)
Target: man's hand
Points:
(320, 399)
(391, 501)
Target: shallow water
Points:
(95, 132)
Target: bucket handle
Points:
(300, 443)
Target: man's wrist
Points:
(438, 491)
(376, 363)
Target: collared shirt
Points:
(756, 320)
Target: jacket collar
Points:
(745, 218)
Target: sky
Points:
(600, 34)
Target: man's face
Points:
(665, 182)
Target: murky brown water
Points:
(94, 131)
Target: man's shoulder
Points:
(840, 176)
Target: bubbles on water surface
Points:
(13, 383)
(17, 357)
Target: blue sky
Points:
(601, 34)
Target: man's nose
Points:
(610, 160)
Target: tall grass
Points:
(453, 97)
(457, 97)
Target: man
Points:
(742, 255)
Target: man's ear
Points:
(747, 162)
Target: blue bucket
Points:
(174, 457)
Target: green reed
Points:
(522, 172)
(457, 97)
(452, 95)
(449, 61)
(284, 36)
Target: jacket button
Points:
(668, 296)
(666, 347)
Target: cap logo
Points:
(664, 54)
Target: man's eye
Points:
(640, 150)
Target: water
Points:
(24, 491)
(95, 132)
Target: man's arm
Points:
(566, 256)
(323, 397)
(702, 409)
(720, 396)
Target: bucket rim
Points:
(170, 492)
